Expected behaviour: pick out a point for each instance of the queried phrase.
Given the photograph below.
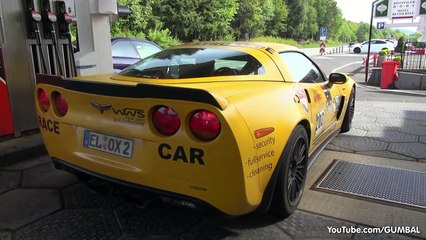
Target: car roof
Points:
(133, 39)
(279, 47)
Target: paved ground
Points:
(39, 202)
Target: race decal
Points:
(327, 95)
(49, 125)
(317, 96)
(336, 102)
(300, 93)
(319, 122)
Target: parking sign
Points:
(381, 25)
(323, 31)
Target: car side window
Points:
(124, 48)
(301, 68)
(145, 49)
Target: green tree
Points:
(297, 18)
(330, 16)
(347, 31)
(216, 18)
(191, 20)
(362, 32)
(276, 25)
(312, 27)
(137, 23)
(249, 19)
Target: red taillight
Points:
(43, 100)
(205, 125)
(61, 104)
(166, 120)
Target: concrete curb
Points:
(22, 148)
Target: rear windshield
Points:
(195, 63)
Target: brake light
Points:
(166, 120)
(43, 100)
(61, 104)
(205, 125)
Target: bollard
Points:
(375, 59)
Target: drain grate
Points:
(393, 185)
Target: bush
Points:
(400, 46)
(128, 34)
(383, 52)
(397, 58)
(162, 37)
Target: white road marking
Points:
(322, 57)
(352, 63)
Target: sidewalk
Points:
(13, 150)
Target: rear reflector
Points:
(263, 132)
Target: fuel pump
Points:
(49, 18)
(33, 32)
(6, 123)
(64, 20)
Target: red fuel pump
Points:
(6, 123)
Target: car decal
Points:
(263, 168)
(317, 96)
(319, 122)
(133, 116)
(302, 98)
(49, 125)
(327, 95)
(101, 107)
(180, 153)
(336, 102)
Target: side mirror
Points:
(337, 78)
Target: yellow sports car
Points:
(229, 125)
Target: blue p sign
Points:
(323, 31)
(381, 25)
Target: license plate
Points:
(107, 143)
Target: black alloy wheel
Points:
(292, 174)
(296, 172)
(349, 115)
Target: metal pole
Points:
(369, 39)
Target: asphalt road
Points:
(352, 65)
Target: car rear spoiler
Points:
(140, 90)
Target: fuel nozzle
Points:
(35, 16)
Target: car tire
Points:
(349, 113)
(292, 174)
(357, 50)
